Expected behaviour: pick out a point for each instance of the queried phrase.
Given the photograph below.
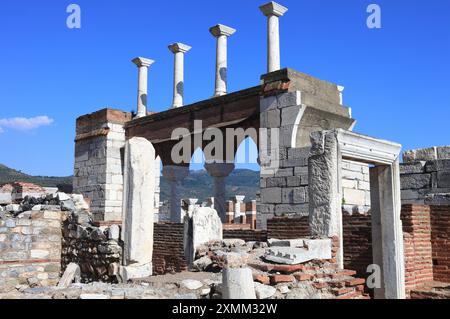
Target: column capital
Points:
(219, 169)
(221, 29)
(273, 9)
(239, 198)
(179, 47)
(140, 62)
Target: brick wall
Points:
(95, 248)
(417, 245)
(30, 248)
(288, 228)
(245, 234)
(168, 248)
(357, 231)
(440, 240)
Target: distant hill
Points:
(200, 185)
(197, 185)
(8, 175)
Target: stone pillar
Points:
(178, 49)
(219, 172)
(175, 175)
(221, 32)
(189, 205)
(273, 11)
(143, 65)
(138, 206)
(238, 201)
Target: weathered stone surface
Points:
(238, 284)
(443, 179)
(412, 168)
(264, 291)
(311, 249)
(202, 263)
(139, 187)
(191, 284)
(205, 225)
(443, 152)
(415, 181)
(71, 274)
(424, 154)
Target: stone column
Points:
(238, 201)
(138, 208)
(221, 32)
(219, 171)
(175, 175)
(273, 11)
(178, 49)
(143, 65)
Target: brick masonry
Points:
(30, 248)
(168, 248)
(440, 239)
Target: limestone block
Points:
(312, 249)
(443, 179)
(438, 165)
(289, 115)
(415, 181)
(409, 194)
(412, 168)
(275, 182)
(135, 271)
(238, 284)
(206, 226)
(137, 226)
(424, 154)
(71, 274)
(264, 291)
(443, 152)
(354, 196)
(271, 118)
(271, 195)
(191, 284)
(346, 183)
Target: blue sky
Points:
(397, 78)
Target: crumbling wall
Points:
(30, 248)
(96, 249)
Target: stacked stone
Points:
(355, 187)
(285, 192)
(425, 176)
(97, 250)
(98, 171)
(30, 248)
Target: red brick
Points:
(278, 279)
(261, 279)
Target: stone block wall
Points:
(425, 176)
(168, 248)
(96, 249)
(355, 187)
(30, 248)
(98, 173)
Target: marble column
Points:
(178, 49)
(221, 32)
(143, 65)
(273, 11)
(219, 172)
(238, 200)
(175, 176)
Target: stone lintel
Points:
(273, 8)
(221, 29)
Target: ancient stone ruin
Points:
(337, 216)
